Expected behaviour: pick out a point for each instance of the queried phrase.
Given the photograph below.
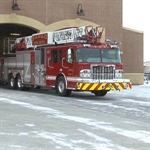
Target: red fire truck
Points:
(71, 59)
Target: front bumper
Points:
(104, 86)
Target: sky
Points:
(136, 15)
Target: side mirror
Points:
(70, 55)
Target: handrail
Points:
(49, 63)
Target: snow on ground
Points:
(77, 123)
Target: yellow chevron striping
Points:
(128, 88)
(119, 86)
(110, 87)
(93, 87)
(79, 85)
(85, 86)
(101, 86)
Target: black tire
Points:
(100, 93)
(19, 83)
(61, 87)
(37, 87)
(12, 82)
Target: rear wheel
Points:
(12, 82)
(19, 83)
(37, 87)
(100, 93)
(61, 87)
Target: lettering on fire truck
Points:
(39, 39)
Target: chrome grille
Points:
(102, 72)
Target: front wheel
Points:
(100, 93)
(61, 87)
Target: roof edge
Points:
(134, 30)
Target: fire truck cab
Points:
(66, 60)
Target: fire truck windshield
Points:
(111, 55)
(88, 55)
(97, 55)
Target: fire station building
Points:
(22, 18)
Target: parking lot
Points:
(41, 120)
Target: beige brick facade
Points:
(101, 12)
(133, 55)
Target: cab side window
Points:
(54, 56)
(59, 55)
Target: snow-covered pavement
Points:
(40, 120)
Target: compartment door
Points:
(40, 70)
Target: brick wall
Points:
(107, 13)
(132, 51)
(133, 55)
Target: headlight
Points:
(118, 73)
(86, 73)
